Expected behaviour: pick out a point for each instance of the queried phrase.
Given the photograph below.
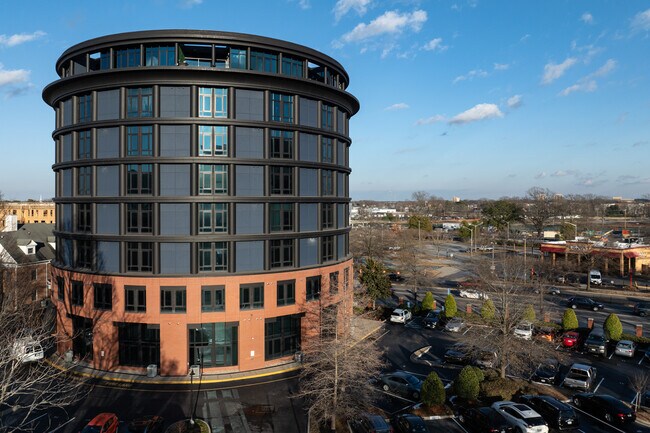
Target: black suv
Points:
(596, 343)
(555, 413)
(588, 303)
(485, 419)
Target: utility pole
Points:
(525, 267)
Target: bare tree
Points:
(541, 208)
(640, 382)
(339, 363)
(410, 259)
(369, 241)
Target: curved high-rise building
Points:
(201, 198)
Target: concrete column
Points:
(639, 330)
(621, 265)
(590, 323)
(468, 309)
(553, 258)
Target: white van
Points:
(28, 350)
(595, 277)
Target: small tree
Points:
(467, 384)
(428, 301)
(374, 280)
(450, 306)
(569, 320)
(612, 327)
(488, 310)
(433, 390)
(479, 374)
(529, 313)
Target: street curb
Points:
(108, 378)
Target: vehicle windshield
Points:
(535, 421)
(578, 374)
(625, 345)
(412, 380)
(595, 339)
(92, 429)
(549, 368)
(564, 414)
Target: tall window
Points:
(128, 57)
(139, 256)
(84, 217)
(85, 103)
(281, 336)
(213, 179)
(139, 178)
(213, 217)
(85, 145)
(213, 298)
(265, 62)
(139, 102)
(327, 182)
(60, 288)
(281, 144)
(312, 288)
(213, 102)
(105, 60)
(103, 296)
(334, 282)
(84, 258)
(281, 180)
(251, 296)
(135, 299)
(139, 344)
(327, 216)
(172, 299)
(238, 58)
(139, 141)
(281, 253)
(213, 141)
(213, 344)
(292, 67)
(326, 150)
(139, 218)
(77, 293)
(326, 119)
(286, 291)
(327, 248)
(281, 217)
(213, 256)
(84, 180)
(160, 56)
(281, 108)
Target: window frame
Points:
(142, 217)
(327, 216)
(286, 293)
(213, 102)
(216, 292)
(209, 215)
(211, 251)
(211, 177)
(313, 288)
(139, 179)
(212, 140)
(142, 252)
(103, 296)
(251, 296)
(282, 107)
(77, 293)
(282, 144)
(84, 180)
(281, 217)
(327, 248)
(84, 144)
(139, 140)
(139, 102)
(136, 306)
(173, 299)
(84, 217)
(281, 253)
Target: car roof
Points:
(553, 402)
(398, 310)
(612, 400)
(101, 418)
(581, 366)
(628, 342)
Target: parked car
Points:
(556, 413)
(370, 423)
(27, 349)
(571, 339)
(595, 277)
(642, 309)
(396, 277)
(521, 417)
(400, 315)
(433, 318)
(547, 372)
(454, 325)
(485, 359)
(581, 376)
(459, 353)
(602, 406)
(472, 294)
(485, 420)
(596, 343)
(102, 423)
(524, 330)
(586, 303)
(625, 348)
(145, 424)
(401, 383)
(409, 423)
(554, 290)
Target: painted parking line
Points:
(641, 360)
(598, 419)
(467, 330)
(598, 386)
(610, 355)
(460, 425)
(399, 396)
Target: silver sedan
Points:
(625, 348)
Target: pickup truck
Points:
(580, 376)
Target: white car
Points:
(27, 350)
(454, 325)
(472, 294)
(524, 330)
(625, 348)
(522, 417)
(400, 315)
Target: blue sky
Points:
(469, 98)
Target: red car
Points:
(570, 339)
(102, 423)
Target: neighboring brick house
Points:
(25, 256)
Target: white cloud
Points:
(477, 112)
(342, 7)
(435, 44)
(480, 73)
(562, 173)
(540, 175)
(190, 3)
(12, 77)
(398, 106)
(608, 67)
(430, 120)
(514, 101)
(583, 86)
(17, 39)
(587, 18)
(554, 71)
(304, 4)
(391, 22)
(501, 66)
(641, 21)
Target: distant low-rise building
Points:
(27, 212)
